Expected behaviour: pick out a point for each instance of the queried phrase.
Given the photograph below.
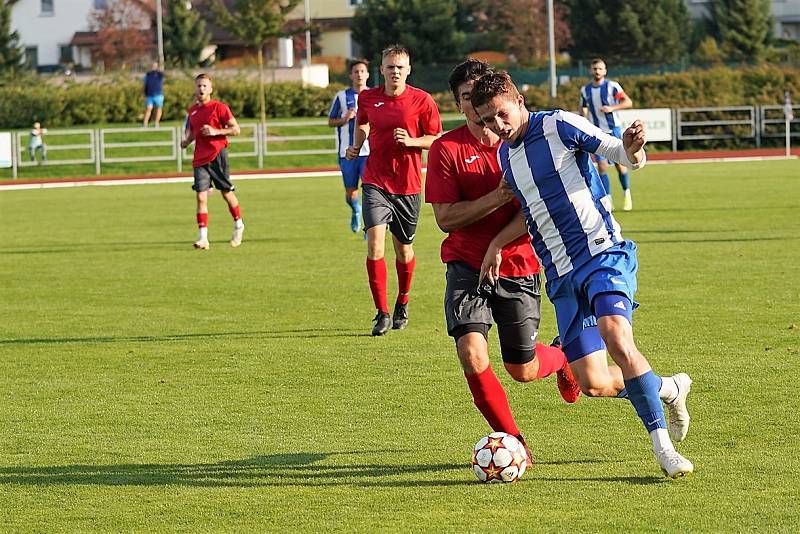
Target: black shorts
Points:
(214, 172)
(514, 304)
(400, 212)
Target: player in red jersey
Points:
(208, 124)
(477, 208)
(400, 121)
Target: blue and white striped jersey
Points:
(344, 100)
(553, 176)
(608, 93)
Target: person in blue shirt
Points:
(590, 267)
(153, 94)
(600, 101)
(342, 117)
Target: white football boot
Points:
(238, 232)
(673, 464)
(678, 413)
(202, 244)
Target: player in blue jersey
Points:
(342, 116)
(590, 268)
(600, 101)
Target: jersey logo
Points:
(471, 159)
(378, 104)
(194, 113)
(599, 241)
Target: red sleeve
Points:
(225, 114)
(429, 120)
(361, 114)
(441, 185)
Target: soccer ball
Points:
(499, 457)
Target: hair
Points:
(471, 69)
(491, 85)
(356, 61)
(395, 50)
(202, 76)
(597, 60)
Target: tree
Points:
(122, 36)
(743, 28)
(523, 26)
(629, 31)
(11, 53)
(427, 28)
(255, 22)
(185, 34)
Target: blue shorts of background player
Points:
(352, 171)
(156, 101)
(603, 286)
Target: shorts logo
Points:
(471, 159)
(620, 305)
(378, 104)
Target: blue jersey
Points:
(608, 93)
(345, 134)
(154, 83)
(552, 174)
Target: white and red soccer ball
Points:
(499, 457)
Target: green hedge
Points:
(121, 101)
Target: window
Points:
(100, 4)
(47, 7)
(32, 57)
(354, 3)
(65, 54)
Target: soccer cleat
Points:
(673, 464)
(355, 222)
(627, 204)
(567, 386)
(678, 413)
(202, 244)
(236, 238)
(382, 323)
(528, 454)
(400, 316)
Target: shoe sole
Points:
(235, 244)
(399, 326)
(676, 475)
(200, 247)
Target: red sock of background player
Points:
(405, 272)
(202, 224)
(376, 271)
(490, 399)
(236, 213)
(551, 359)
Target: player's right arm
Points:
(490, 267)
(455, 215)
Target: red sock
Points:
(491, 400)
(376, 271)
(405, 272)
(551, 359)
(202, 220)
(236, 212)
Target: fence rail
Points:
(101, 146)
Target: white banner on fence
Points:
(658, 122)
(5, 150)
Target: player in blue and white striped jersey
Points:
(600, 101)
(342, 116)
(590, 267)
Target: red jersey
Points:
(392, 167)
(215, 114)
(461, 168)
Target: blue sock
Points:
(625, 180)
(606, 183)
(623, 394)
(643, 394)
(354, 204)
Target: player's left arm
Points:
(576, 133)
(623, 101)
(402, 136)
(430, 123)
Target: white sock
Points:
(203, 233)
(238, 223)
(661, 441)
(669, 389)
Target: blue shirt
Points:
(345, 134)
(552, 175)
(154, 83)
(608, 93)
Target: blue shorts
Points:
(605, 285)
(155, 101)
(352, 170)
(616, 132)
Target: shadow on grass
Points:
(279, 470)
(306, 333)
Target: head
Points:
(36, 125)
(359, 71)
(155, 65)
(395, 66)
(499, 105)
(462, 80)
(202, 88)
(598, 69)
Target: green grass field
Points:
(149, 386)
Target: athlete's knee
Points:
(595, 386)
(472, 353)
(522, 372)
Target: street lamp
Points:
(308, 31)
(160, 34)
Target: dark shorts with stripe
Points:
(214, 172)
(400, 212)
(514, 304)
